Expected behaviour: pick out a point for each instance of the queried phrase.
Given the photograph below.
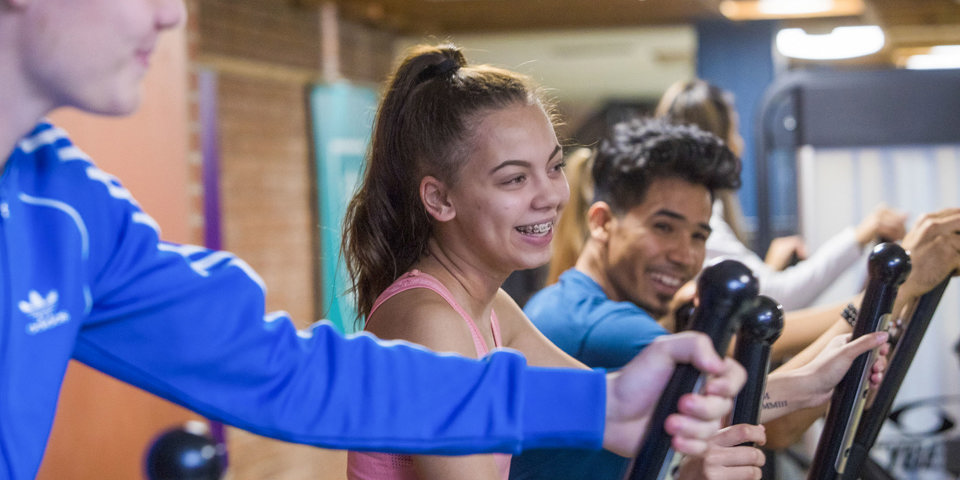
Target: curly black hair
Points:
(638, 151)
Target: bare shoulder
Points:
(506, 306)
(513, 321)
(422, 316)
(520, 334)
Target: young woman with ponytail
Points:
(464, 184)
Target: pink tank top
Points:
(388, 466)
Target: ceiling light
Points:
(746, 10)
(841, 42)
(793, 7)
(940, 56)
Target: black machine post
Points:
(760, 327)
(887, 268)
(904, 350)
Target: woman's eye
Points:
(517, 179)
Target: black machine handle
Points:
(724, 289)
(760, 327)
(905, 349)
(683, 316)
(887, 268)
(186, 452)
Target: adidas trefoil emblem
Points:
(43, 310)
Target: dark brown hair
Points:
(424, 126)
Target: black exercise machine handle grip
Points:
(760, 327)
(887, 267)
(683, 316)
(905, 349)
(724, 289)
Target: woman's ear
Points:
(599, 217)
(434, 195)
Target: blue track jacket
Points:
(83, 275)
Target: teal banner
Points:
(342, 119)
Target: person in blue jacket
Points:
(85, 275)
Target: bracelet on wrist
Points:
(849, 314)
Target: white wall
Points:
(586, 67)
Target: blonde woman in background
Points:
(572, 230)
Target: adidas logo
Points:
(43, 311)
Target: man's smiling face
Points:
(658, 245)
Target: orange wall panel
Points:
(103, 427)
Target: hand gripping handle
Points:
(903, 353)
(887, 267)
(724, 289)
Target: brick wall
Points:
(194, 159)
(265, 56)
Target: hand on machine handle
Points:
(728, 457)
(905, 350)
(634, 390)
(725, 289)
(888, 267)
(731, 454)
(883, 225)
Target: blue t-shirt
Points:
(577, 316)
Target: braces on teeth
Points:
(542, 228)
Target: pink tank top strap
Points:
(495, 327)
(417, 279)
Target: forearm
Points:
(808, 381)
(787, 409)
(904, 305)
(786, 392)
(803, 328)
(541, 352)
(788, 429)
(805, 356)
(789, 388)
(465, 467)
(799, 285)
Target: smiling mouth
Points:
(539, 229)
(668, 280)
